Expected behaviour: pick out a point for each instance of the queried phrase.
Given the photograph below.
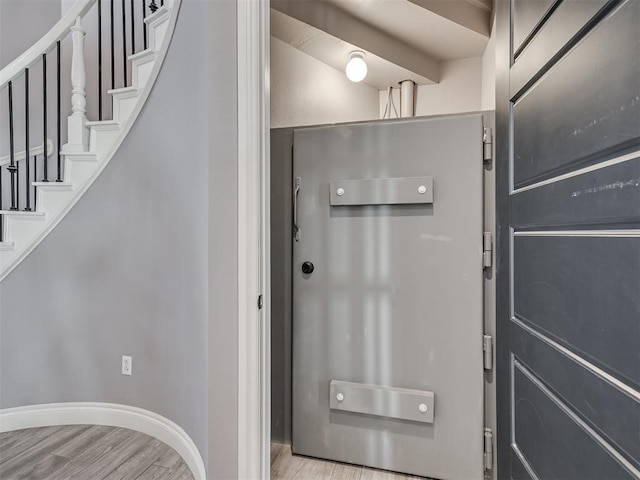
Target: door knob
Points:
(307, 267)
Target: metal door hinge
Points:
(487, 250)
(487, 350)
(488, 449)
(260, 302)
(487, 141)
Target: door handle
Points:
(296, 228)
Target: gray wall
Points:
(145, 263)
(22, 23)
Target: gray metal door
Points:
(569, 245)
(387, 327)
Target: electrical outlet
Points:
(126, 365)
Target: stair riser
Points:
(122, 107)
(77, 172)
(156, 34)
(100, 140)
(7, 257)
(20, 230)
(142, 73)
(51, 202)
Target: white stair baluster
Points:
(78, 133)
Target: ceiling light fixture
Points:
(356, 67)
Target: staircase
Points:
(41, 180)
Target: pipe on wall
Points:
(407, 90)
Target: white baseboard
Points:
(109, 414)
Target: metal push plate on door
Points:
(382, 191)
(401, 403)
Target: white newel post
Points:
(78, 133)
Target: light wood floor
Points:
(286, 466)
(87, 452)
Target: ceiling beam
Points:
(472, 14)
(331, 19)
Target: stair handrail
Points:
(58, 32)
(21, 155)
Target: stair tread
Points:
(106, 124)
(157, 15)
(143, 54)
(21, 213)
(80, 154)
(124, 90)
(52, 184)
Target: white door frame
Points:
(254, 336)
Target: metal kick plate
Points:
(402, 403)
(382, 191)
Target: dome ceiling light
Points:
(356, 67)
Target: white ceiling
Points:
(423, 29)
(335, 52)
(402, 39)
